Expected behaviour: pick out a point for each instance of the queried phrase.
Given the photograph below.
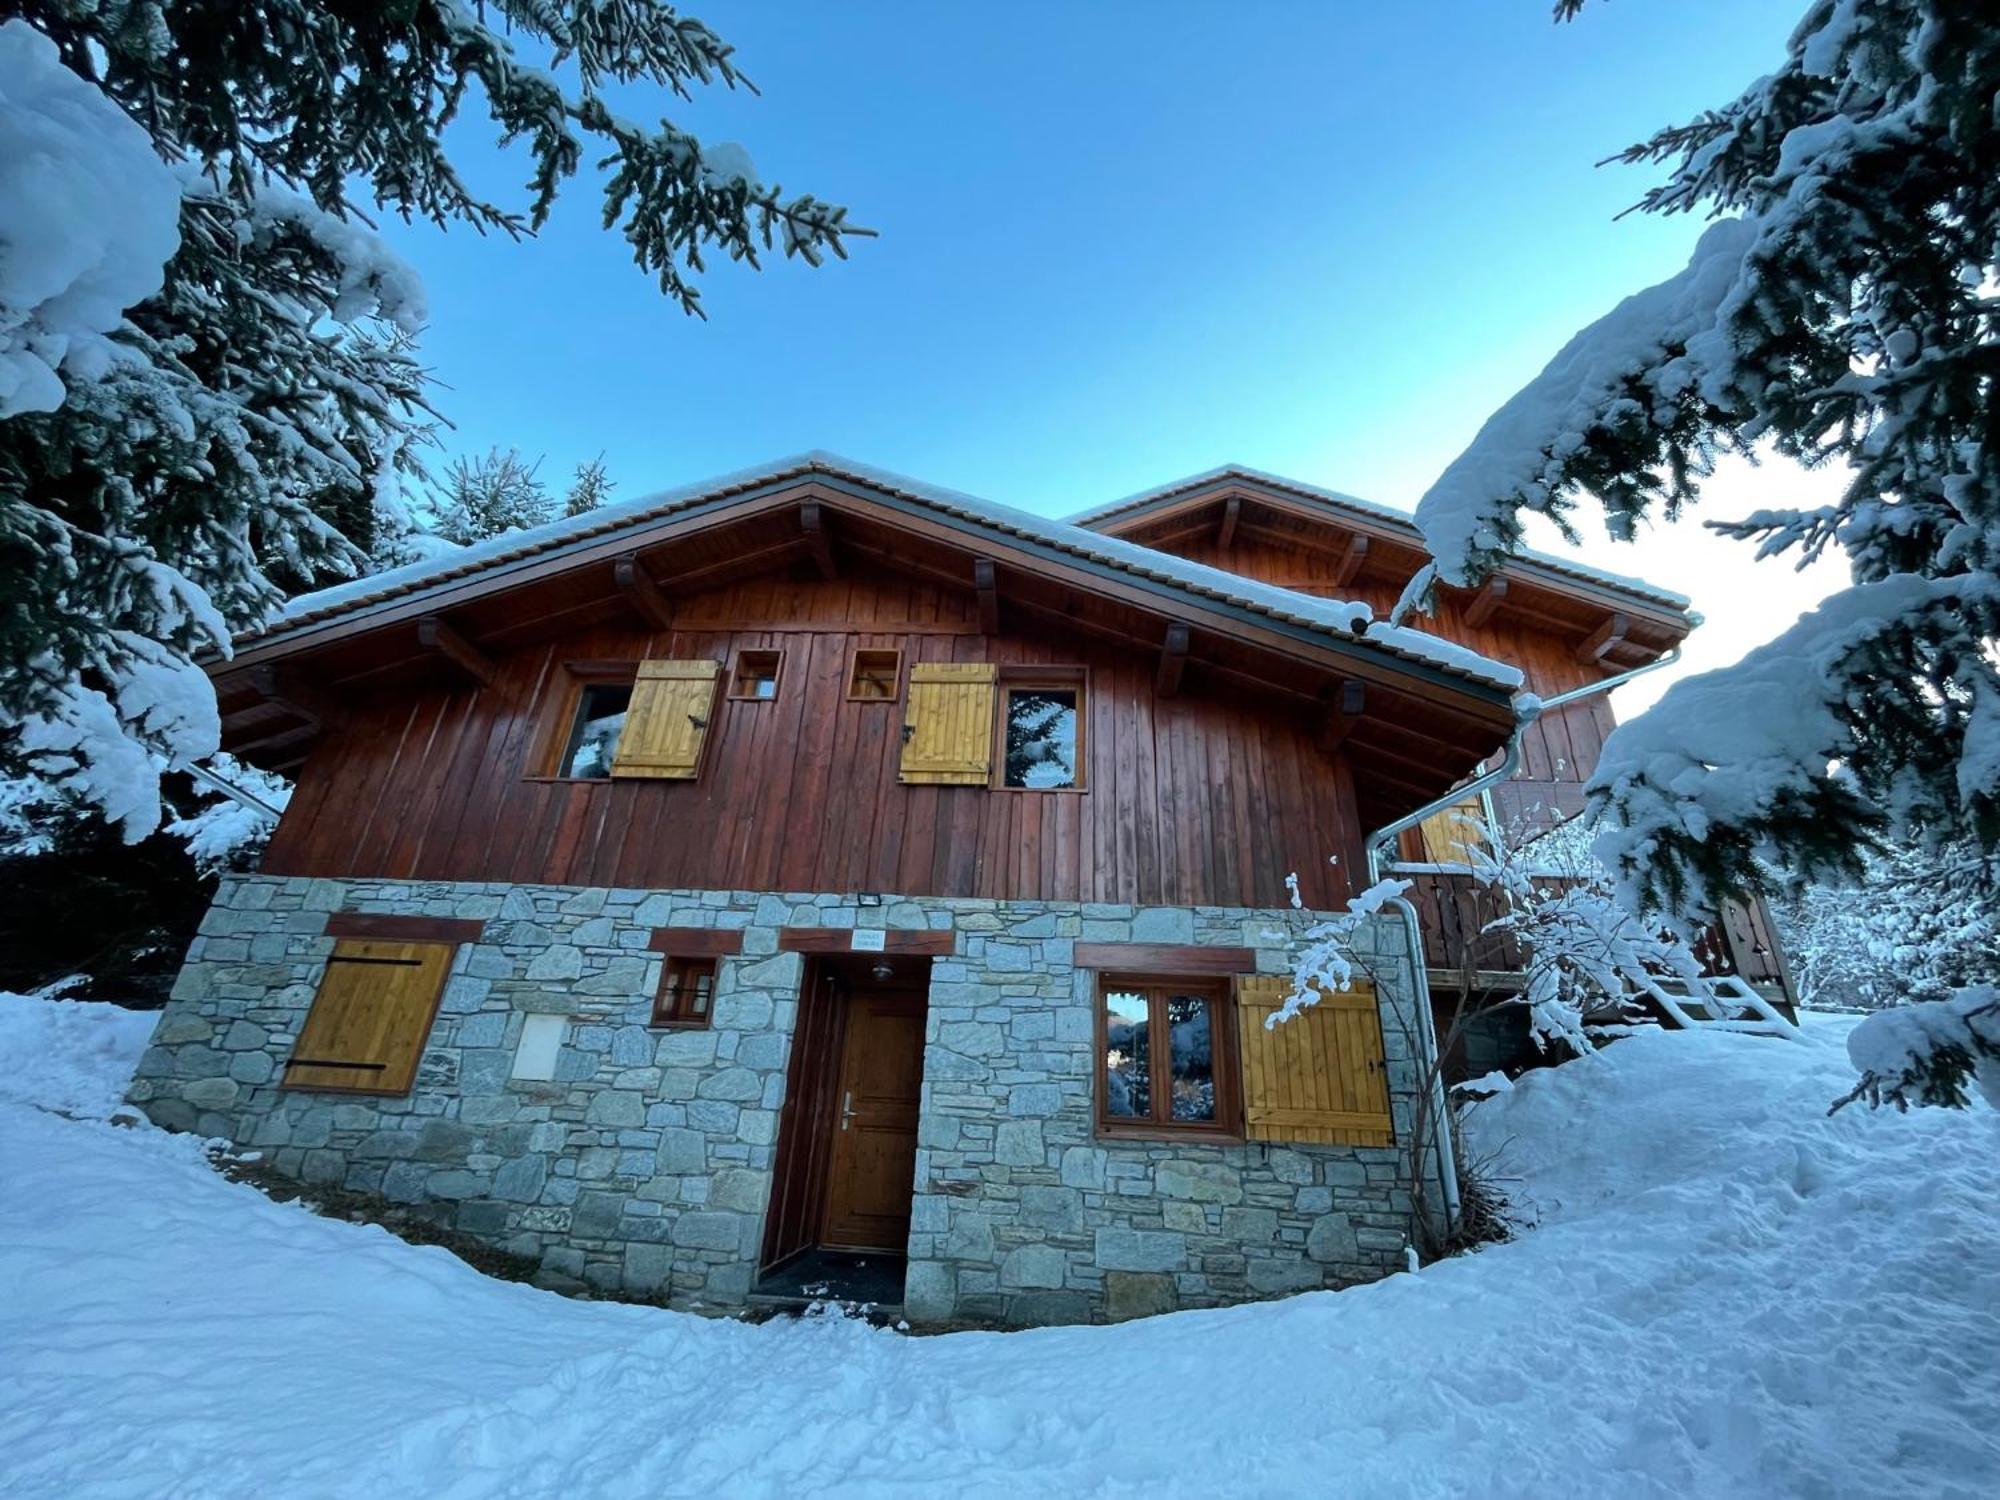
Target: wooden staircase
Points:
(1719, 1002)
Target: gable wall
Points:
(1202, 799)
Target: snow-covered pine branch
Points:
(1929, 1052)
(1842, 310)
(208, 389)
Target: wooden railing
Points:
(1454, 911)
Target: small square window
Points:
(687, 990)
(756, 675)
(1042, 742)
(875, 677)
(593, 735)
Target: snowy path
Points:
(1731, 1295)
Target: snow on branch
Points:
(1927, 1053)
(88, 219)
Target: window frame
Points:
(1010, 680)
(744, 653)
(1227, 1126)
(559, 728)
(670, 1012)
(895, 654)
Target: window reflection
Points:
(1041, 737)
(1193, 1075)
(593, 740)
(1127, 1072)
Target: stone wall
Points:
(645, 1166)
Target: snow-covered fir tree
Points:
(590, 489)
(490, 495)
(1918, 924)
(1841, 309)
(204, 359)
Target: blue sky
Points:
(1120, 242)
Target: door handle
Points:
(846, 1108)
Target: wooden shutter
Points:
(1319, 1077)
(667, 723)
(1452, 833)
(948, 724)
(369, 1022)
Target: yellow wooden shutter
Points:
(369, 1022)
(948, 724)
(667, 723)
(1319, 1077)
(1452, 833)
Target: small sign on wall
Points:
(541, 1040)
(870, 940)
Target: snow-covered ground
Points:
(1730, 1294)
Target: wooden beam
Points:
(1606, 639)
(1232, 511)
(812, 521)
(1352, 561)
(1173, 661)
(436, 636)
(1489, 598)
(1170, 958)
(697, 942)
(636, 587)
(841, 940)
(298, 697)
(395, 927)
(986, 578)
(1343, 711)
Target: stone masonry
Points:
(644, 1167)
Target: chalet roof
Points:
(1350, 506)
(495, 559)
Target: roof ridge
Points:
(1375, 509)
(1350, 619)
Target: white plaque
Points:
(870, 940)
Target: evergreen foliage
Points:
(1917, 925)
(490, 495)
(590, 489)
(238, 439)
(1842, 310)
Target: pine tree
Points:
(492, 495)
(590, 489)
(1841, 310)
(166, 476)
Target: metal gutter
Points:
(1444, 1153)
(234, 792)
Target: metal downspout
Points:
(1444, 1153)
(232, 791)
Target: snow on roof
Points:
(1351, 620)
(1376, 510)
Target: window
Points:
(599, 719)
(687, 988)
(756, 675)
(875, 675)
(370, 1020)
(1167, 1056)
(1041, 728)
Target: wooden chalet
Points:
(816, 877)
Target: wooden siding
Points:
(1211, 796)
(1558, 752)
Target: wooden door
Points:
(875, 1122)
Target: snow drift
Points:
(1730, 1294)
